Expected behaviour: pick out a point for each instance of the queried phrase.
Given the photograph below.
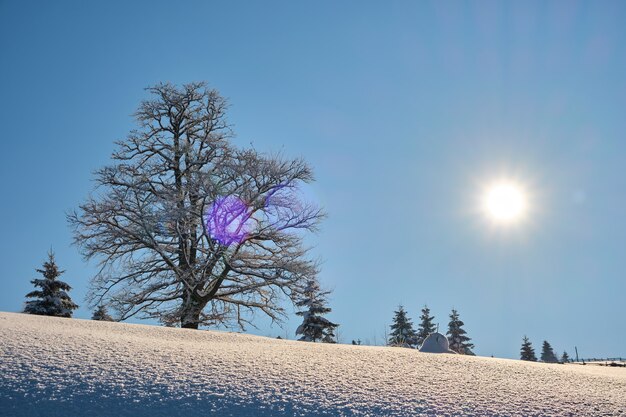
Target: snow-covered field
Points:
(65, 367)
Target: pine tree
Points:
(101, 314)
(52, 299)
(314, 327)
(459, 342)
(402, 332)
(425, 327)
(547, 354)
(527, 353)
(565, 357)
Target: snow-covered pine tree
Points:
(52, 299)
(527, 352)
(425, 327)
(459, 342)
(314, 327)
(101, 314)
(402, 332)
(565, 357)
(547, 353)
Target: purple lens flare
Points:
(229, 220)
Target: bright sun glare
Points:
(505, 202)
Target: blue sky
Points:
(404, 109)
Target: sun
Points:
(505, 202)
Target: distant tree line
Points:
(51, 298)
(403, 334)
(527, 353)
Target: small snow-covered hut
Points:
(436, 343)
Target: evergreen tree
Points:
(565, 357)
(52, 299)
(547, 353)
(402, 332)
(459, 342)
(425, 327)
(314, 327)
(101, 314)
(527, 353)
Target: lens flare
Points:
(229, 220)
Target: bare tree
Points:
(188, 228)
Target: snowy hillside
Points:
(66, 367)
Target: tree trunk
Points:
(193, 324)
(190, 317)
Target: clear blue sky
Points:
(404, 109)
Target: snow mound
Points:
(66, 367)
(436, 343)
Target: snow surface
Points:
(68, 367)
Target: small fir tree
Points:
(425, 327)
(565, 357)
(459, 342)
(101, 314)
(402, 332)
(527, 353)
(547, 353)
(314, 327)
(52, 299)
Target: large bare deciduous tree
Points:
(188, 228)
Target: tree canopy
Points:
(190, 229)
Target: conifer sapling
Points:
(402, 332)
(52, 299)
(547, 353)
(426, 326)
(314, 327)
(101, 314)
(459, 342)
(527, 352)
